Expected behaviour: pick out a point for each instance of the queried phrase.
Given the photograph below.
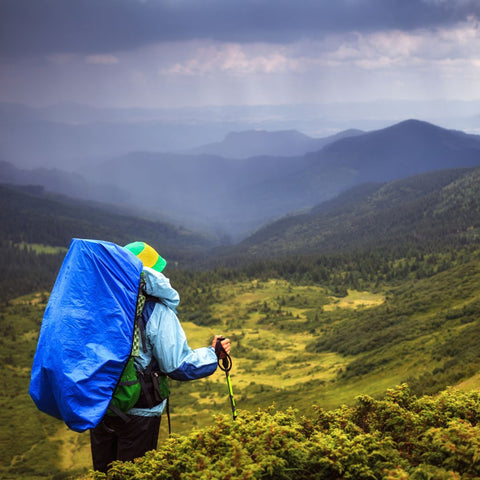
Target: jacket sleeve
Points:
(170, 348)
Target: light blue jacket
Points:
(167, 342)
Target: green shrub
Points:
(398, 437)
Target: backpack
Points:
(87, 333)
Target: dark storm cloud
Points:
(30, 27)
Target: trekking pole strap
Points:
(224, 360)
(225, 364)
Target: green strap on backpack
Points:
(129, 388)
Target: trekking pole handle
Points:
(226, 365)
(222, 355)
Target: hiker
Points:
(120, 438)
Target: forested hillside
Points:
(32, 220)
(425, 212)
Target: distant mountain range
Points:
(237, 196)
(254, 143)
(68, 136)
(403, 149)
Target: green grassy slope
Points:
(293, 345)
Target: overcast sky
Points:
(172, 53)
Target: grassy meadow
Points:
(266, 322)
(292, 345)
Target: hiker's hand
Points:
(225, 344)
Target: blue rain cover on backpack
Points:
(87, 333)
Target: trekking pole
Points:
(225, 364)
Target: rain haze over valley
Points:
(224, 116)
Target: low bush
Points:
(397, 437)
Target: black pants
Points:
(115, 439)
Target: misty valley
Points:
(345, 270)
(224, 190)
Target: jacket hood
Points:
(158, 285)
